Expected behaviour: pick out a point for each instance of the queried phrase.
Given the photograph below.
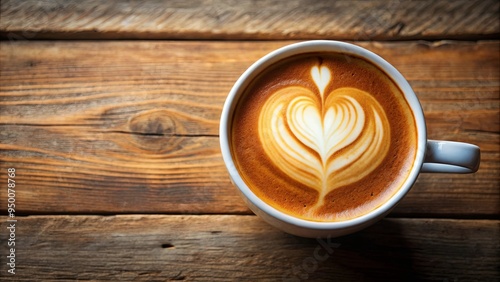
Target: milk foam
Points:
(324, 140)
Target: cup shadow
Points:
(378, 253)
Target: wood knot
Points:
(154, 132)
(155, 122)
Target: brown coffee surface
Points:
(323, 136)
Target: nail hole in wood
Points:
(167, 246)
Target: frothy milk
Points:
(316, 136)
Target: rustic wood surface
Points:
(238, 247)
(125, 127)
(232, 19)
(115, 142)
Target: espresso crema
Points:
(323, 137)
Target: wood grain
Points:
(132, 126)
(99, 127)
(236, 248)
(231, 19)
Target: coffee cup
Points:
(324, 138)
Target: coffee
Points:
(323, 136)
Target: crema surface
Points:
(324, 137)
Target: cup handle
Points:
(451, 157)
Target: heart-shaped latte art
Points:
(324, 141)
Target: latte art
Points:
(324, 140)
(323, 136)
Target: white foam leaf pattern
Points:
(321, 76)
(324, 142)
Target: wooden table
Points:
(109, 114)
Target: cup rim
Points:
(308, 47)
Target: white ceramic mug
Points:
(432, 156)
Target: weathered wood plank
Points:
(192, 180)
(131, 127)
(277, 19)
(229, 248)
(119, 85)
